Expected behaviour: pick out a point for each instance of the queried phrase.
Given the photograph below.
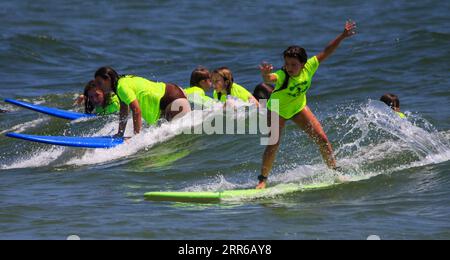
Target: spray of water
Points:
(372, 140)
(25, 126)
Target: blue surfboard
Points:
(50, 111)
(80, 142)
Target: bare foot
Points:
(261, 185)
(341, 178)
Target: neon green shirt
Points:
(237, 91)
(111, 108)
(401, 115)
(146, 92)
(292, 100)
(198, 96)
(195, 90)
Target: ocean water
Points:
(397, 169)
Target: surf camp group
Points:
(282, 94)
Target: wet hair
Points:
(263, 91)
(296, 52)
(200, 73)
(88, 106)
(227, 76)
(109, 73)
(391, 100)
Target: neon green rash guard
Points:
(237, 91)
(111, 108)
(401, 115)
(292, 100)
(198, 96)
(146, 92)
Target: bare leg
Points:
(271, 151)
(307, 121)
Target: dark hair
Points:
(108, 73)
(263, 91)
(88, 106)
(200, 73)
(296, 52)
(391, 100)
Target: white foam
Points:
(375, 122)
(9, 108)
(315, 174)
(25, 126)
(145, 140)
(359, 146)
(40, 158)
(428, 160)
(148, 138)
(376, 134)
(219, 183)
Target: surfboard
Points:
(80, 142)
(233, 195)
(64, 114)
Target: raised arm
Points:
(266, 72)
(332, 46)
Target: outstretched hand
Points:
(266, 68)
(350, 29)
(80, 99)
